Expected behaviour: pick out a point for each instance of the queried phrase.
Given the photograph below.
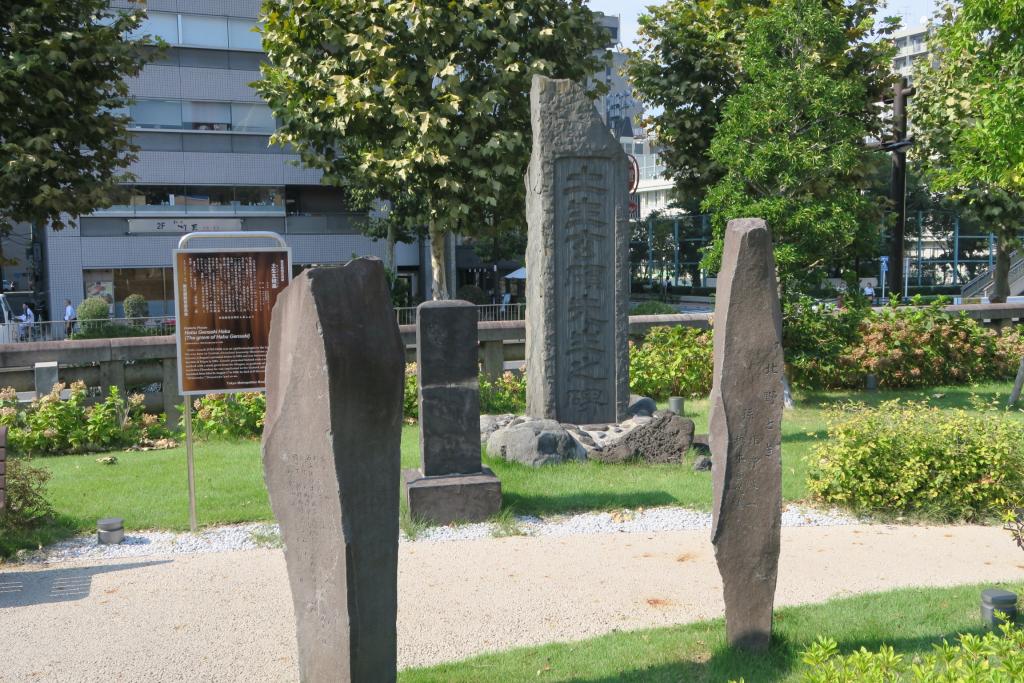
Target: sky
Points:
(911, 11)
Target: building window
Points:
(260, 198)
(206, 115)
(252, 118)
(201, 30)
(114, 285)
(160, 25)
(199, 200)
(206, 31)
(156, 113)
(210, 116)
(241, 34)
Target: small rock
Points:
(491, 423)
(702, 464)
(641, 405)
(535, 443)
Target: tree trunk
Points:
(1001, 276)
(389, 249)
(438, 265)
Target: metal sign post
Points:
(883, 268)
(222, 304)
(906, 277)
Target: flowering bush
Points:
(507, 394)
(914, 458)
(671, 361)
(925, 346)
(230, 416)
(52, 426)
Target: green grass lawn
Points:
(149, 489)
(909, 620)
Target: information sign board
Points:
(223, 302)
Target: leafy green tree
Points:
(422, 97)
(62, 70)
(791, 140)
(688, 63)
(968, 117)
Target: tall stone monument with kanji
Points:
(745, 431)
(577, 259)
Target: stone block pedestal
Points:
(452, 497)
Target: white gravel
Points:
(250, 536)
(625, 521)
(142, 543)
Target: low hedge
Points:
(915, 459)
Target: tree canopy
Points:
(62, 143)
(791, 141)
(968, 117)
(422, 97)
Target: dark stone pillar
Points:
(745, 432)
(451, 483)
(331, 458)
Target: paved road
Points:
(228, 616)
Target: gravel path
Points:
(227, 616)
(253, 536)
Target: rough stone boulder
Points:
(534, 442)
(492, 423)
(641, 406)
(663, 438)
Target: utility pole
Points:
(898, 186)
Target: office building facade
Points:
(205, 164)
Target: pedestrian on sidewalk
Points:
(69, 318)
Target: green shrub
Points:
(93, 308)
(817, 341)
(135, 306)
(52, 426)
(410, 399)
(913, 458)
(507, 394)
(26, 499)
(472, 294)
(671, 361)
(230, 416)
(653, 308)
(103, 329)
(994, 657)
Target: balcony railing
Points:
(407, 316)
(52, 330)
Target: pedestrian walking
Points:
(69, 318)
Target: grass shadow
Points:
(583, 501)
(942, 397)
(778, 663)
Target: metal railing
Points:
(485, 312)
(983, 283)
(52, 330)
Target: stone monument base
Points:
(454, 497)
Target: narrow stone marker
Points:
(745, 432)
(451, 484)
(577, 292)
(331, 459)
